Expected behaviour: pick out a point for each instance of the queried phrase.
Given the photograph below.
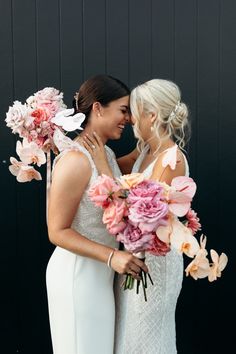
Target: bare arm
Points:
(126, 162)
(70, 179)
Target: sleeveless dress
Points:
(80, 290)
(149, 327)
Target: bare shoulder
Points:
(72, 166)
(166, 174)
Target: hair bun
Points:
(180, 116)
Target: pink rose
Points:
(113, 216)
(148, 215)
(101, 192)
(134, 239)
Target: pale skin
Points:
(126, 162)
(70, 179)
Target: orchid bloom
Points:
(199, 268)
(179, 236)
(23, 173)
(180, 196)
(30, 153)
(218, 265)
(67, 121)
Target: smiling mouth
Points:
(121, 127)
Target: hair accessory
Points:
(173, 113)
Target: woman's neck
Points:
(89, 130)
(154, 144)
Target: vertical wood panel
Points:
(9, 305)
(185, 75)
(163, 20)
(48, 44)
(185, 65)
(94, 38)
(72, 66)
(117, 39)
(139, 41)
(27, 263)
(117, 60)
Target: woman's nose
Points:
(127, 118)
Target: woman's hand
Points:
(95, 147)
(125, 263)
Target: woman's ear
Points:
(97, 109)
(153, 117)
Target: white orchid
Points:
(68, 122)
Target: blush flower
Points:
(30, 153)
(134, 239)
(193, 221)
(23, 173)
(131, 180)
(145, 191)
(102, 191)
(148, 215)
(218, 265)
(113, 216)
(181, 194)
(158, 248)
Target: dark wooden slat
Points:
(72, 70)
(48, 43)
(94, 40)
(163, 49)
(139, 41)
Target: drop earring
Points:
(152, 129)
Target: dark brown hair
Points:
(100, 88)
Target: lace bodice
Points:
(88, 218)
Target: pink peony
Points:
(158, 248)
(193, 221)
(101, 192)
(148, 215)
(134, 239)
(146, 191)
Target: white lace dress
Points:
(80, 290)
(149, 327)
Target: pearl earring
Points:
(152, 128)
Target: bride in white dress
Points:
(160, 120)
(81, 269)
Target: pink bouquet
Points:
(36, 122)
(144, 215)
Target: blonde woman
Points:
(160, 121)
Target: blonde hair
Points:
(163, 98)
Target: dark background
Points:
(61, 43)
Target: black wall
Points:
(60, 43)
